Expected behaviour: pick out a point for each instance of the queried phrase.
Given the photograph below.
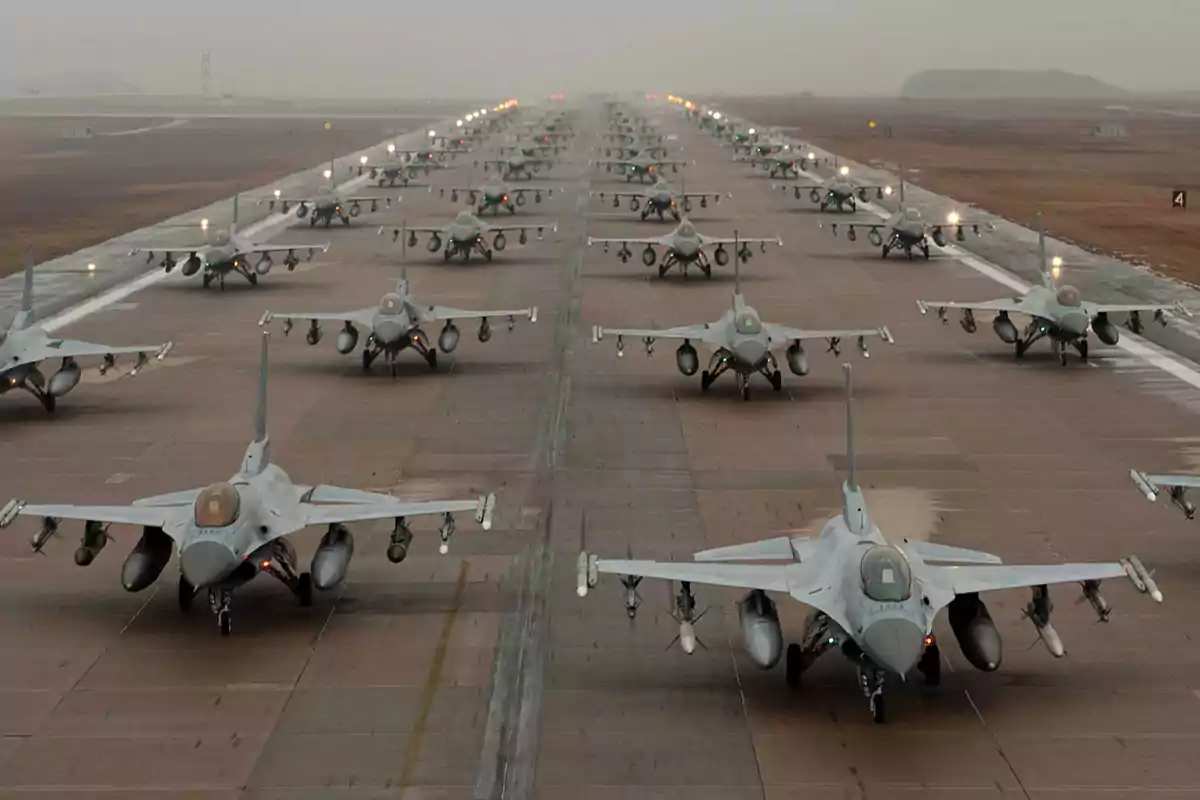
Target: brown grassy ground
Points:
(1015, 159)
(59, 194)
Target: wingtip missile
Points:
(1142, 482)
(1142, 578)
(11, 510)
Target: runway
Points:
(481, 673)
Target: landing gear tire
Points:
(187, 593)
(224, 622)
(877, 712)
(431, 360)
(777, 381)
(304, 590)
(706, 380)
(794, 667)
(930, 665)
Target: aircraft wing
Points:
(707, 240)
(770, 578)
(40, 350)
(1014, 304)
(666, 240)
(440, 313)
(317, 514)
(991, 578)
(148, 516)
(703, 332)
(782, 333)
(362, 316)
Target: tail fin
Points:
(258, 453)
(25, 315)
(854, 505)
(1048, 278)
(260, 411)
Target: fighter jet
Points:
(685, 246)
(778, 165)
(464, 236)
(516, 166)
(389, 172)
(25, 345)
(497, 193)
(328, 203)
(661, 199)
(643, 169)
(229, 532)
(1057, 313)
(395, 325)
(218, 260)
(872, 599)
(908, 229)
(838, 191)
(742, 342)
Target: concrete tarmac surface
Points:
(481, 674)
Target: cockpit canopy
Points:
(886, 575)
(1069, 296)
(217, 506)
(391, 303)
(686, 229)
(747, 323)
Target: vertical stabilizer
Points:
(25, 315)
(258, 454)
(854, 505)
(1048, 278)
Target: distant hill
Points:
(985, 84)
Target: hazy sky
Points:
(372, 48)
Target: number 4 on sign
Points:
(1179, 198)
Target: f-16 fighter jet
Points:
(229, 532)
(218, 260)
(516, 166)
(907, 229)
(779, 165)
(465, 235)
(644, 169)
(661, 199)
(838, 191)
(25, 345)
(741, 342)
(685, 246)
(395, 324)
(872, 599)
(1058, 313)
(389, 172)
(497, 193)
(328, 203)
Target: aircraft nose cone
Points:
(387, 331)
(206, 563)
(895, 644)
(750, 351)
